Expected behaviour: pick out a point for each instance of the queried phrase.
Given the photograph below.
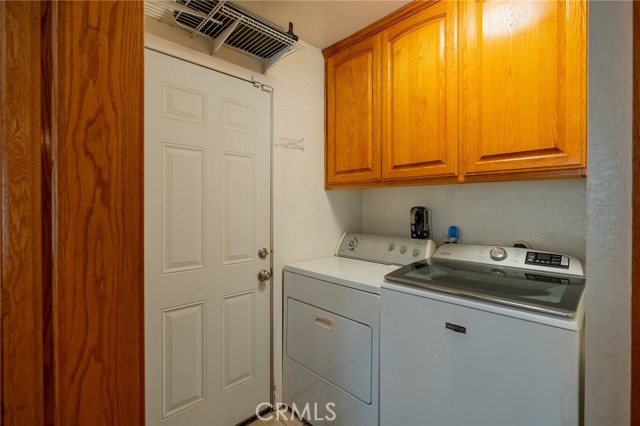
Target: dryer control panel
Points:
(382, 249)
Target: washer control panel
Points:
(547, 259)
(513, 257)
(382, 249)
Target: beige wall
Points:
(550, 215)
(608, 345)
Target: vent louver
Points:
(225, 23)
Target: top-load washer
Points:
(332, 328)
(485, 336)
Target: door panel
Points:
(238, 351)
(183, 357)
(183, 208)
(238, 208)
(207, 204)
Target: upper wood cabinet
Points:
(452, 91)
(420, 95)
(352, 146)
(523, 85)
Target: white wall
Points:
(608, 345)
(312, 219)
(550, 215)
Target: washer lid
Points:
(548, 292)
(357, 274)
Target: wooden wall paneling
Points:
(635, 290)
(21, 216)
(98, 212)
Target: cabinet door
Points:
(420, 95)
(523, 85)
(353, 114)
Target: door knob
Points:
(264, 275)
(263, 252)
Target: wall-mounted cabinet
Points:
(352, 113)
(420, 95)
(523, 85)
(446, 91)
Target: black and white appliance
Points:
(485, 336)
(332, 328)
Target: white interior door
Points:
(207, 214)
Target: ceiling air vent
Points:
(225, 23)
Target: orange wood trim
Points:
(20, 192)
(492, 177)
(635, 284)
(379, 25)
(98, 100)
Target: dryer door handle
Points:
(323, 322)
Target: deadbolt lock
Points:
(263, 252)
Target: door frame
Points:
(71, 258)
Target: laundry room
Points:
(273, 274)
(563, 215)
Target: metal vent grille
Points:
(226, 23)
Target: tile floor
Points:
(278, 418)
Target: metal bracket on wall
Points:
(226, 23)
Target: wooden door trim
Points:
(97, 214)
(635, 268)
(21, 214)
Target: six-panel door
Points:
(207, 204)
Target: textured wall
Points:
(550, 215)
(608, 343)
(312, 219)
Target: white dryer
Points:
(332, 328)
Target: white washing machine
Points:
(481, 335)
(332, 328)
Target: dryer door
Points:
(332, 346)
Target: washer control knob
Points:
(416, 252)
(498, 253)
(403, 249)
(351, 245)
(391, 246)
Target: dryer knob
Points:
(498, 253)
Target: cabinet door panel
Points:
(353, 114)
(523, 85)
(419, 100)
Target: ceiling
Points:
(322, 23)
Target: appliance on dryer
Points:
(485, 336)
(332, 328)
